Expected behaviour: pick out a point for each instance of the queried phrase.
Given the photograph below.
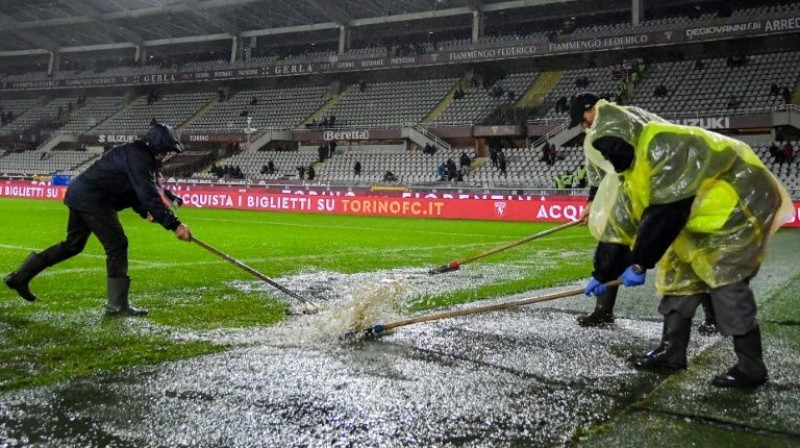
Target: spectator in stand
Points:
(332, 120)
(362, 85)
(301, 172)
(787, 95)
(332, 148)
(545, 152)
(775, 152)
(270, 167)
(558, 182)
(562, 105)
(441, 171)
(552, 155)
(788, 152)
(464, 159)
(580, 177)
(493, 156)
(567, 178)
(774, 90)
(451, 169)
(322, 152)
(698, 65)
(501, 162)
(311, 172)
(357, 168)
(389, 176)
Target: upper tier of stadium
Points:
(732, 79)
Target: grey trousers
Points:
(734, 304)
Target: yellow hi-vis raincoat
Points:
(738, 202)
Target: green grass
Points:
(63, 335)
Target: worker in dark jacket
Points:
(124, 177)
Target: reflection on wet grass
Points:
(37, 352)
(62, 335)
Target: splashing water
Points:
(368, 305)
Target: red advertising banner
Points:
(410, 205)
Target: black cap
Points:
(579, 105)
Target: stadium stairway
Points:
(86, 162)
(319, 113)
(539, 89)
(439, 109)
(33, 110)
(422, 137)
(127, 106)
(198, 114)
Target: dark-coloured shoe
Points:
(19, 280)
(20, 286)
(118, 304)
(708, 327)
(596, 319)
(735, 378)
(655, 361)
(126, 312)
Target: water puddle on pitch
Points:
(527, 376)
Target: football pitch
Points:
(523, 377)
(63, 334)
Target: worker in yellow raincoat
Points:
(700, 205)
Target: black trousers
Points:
(106, 227)
(734, 305)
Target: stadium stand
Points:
(694, 87)
(525, 168)
(730, 80)
(173, 109)
(409, 166)
(38, 162)
(478, 102)
(396, 103)
(252, 162)
(94, 112)
(16, 107)
(267, 108)
(40, 115)
(599, 79)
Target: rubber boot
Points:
(19, 280)
(708, 327)
(670, 355)
(118, 298)
(750, 370)
(603, 310)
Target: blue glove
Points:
(594, 287)
(631, 278)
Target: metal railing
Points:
(428, 134)
(541, 140)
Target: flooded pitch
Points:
(522, 377)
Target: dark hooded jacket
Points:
(123, 177)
